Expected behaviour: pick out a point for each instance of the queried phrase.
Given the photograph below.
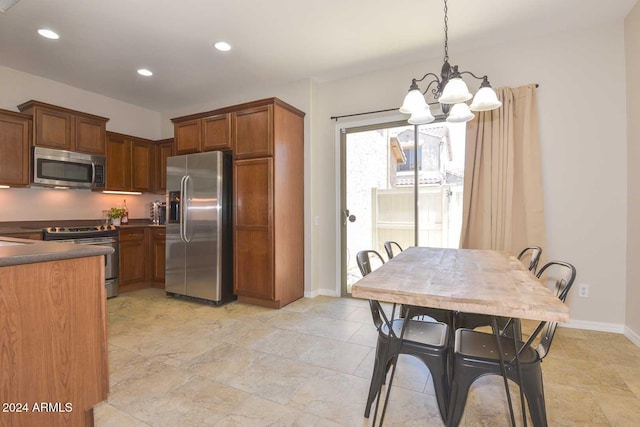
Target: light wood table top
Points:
(466, 280)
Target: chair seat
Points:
(482, 346)
(431, 333)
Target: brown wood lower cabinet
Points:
(254, 264)
(134, 247)
(142, 258)
(158, 245)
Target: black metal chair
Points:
(428, 341)
(476, 355)
(388, 247)
(531, 255)
(363, 259)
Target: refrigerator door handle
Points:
(181, 209)
(184, 200)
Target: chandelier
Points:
(450, 91)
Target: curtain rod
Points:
(379, 111)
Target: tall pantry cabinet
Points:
(267, 141)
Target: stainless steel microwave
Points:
(61, 168)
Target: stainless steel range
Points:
(103, 235)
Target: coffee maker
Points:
(158, 212)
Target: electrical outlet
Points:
(584, 290)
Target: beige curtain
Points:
(503, 202)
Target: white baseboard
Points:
(575, 324)
(318, 292)
(594, 326)
(604, 327)
(633, 336)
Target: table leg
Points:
(503, 369)
(393, 369)
(519, 372)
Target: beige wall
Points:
(583, 139)
(43, 204)
(17, 87)
(632, 44)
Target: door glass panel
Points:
(372, 210)
(403, 183)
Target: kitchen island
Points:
(53, 338)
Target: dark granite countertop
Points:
(19, 230)
(23, 251)
(25, 227)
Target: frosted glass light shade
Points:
(421, 117)
(454, 92)
(485, 100)
(413, 103)
(460, 113)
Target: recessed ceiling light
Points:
(145, 72)
(48, 34)
(223, 46)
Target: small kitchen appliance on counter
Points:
(158, 212)
(102, 235)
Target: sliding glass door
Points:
(399, 182)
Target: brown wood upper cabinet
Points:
(65, 129)
(15, 140)
(130, 163)
(203, 134)
(163, 150)
(253, 132)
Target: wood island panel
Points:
(53, 341)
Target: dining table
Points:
(481, 281)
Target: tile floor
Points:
(179, 363)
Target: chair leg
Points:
(439, 372)
(534, 391)
(378, 377)
(458, 396)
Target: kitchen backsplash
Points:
(32, 204)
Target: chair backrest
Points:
(559, 277)
(389, 245)
(363, 259)
(532, 255)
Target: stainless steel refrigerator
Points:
(199, 234)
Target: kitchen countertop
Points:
(17, 228)
(23, 251)
(142, 224)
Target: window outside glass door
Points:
(399, 182)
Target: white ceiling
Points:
(103, 42)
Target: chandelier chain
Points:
(446, 32)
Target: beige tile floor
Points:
(180, 363)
